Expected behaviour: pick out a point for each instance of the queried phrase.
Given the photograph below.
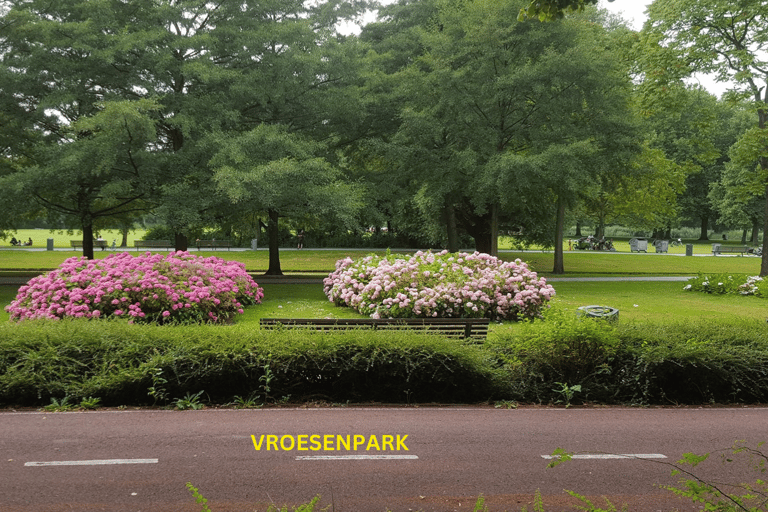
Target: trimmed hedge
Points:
(122, 364)
(685, 363)
(119, 363)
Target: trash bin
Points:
(638, 244)
(601, 312)
(49, 245)
(716, 249)
(689, 249)
(662, 245)
(254, 243)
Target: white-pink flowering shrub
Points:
(438, 285)
(177, 288)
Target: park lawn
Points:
(324, 261)
(61, 238)
(644, 301)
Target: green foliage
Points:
(567, 392)
(190, 401)
(61, 405)
(199, 499)
(691, 362)
(726, 496)
(137, 364)
(562, 348)
(719, 284)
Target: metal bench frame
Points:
(467, 328)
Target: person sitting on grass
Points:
(14, 241)
(28, 243)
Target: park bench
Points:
(467, 328)
(153, 244)
(723, 249)
(78, 244)
(213, 244)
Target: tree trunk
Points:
(124, 241)
(703, 234)
(578, 229)
(744, 237)
(273, 234)
(755, 232)
(452, 229)
(559, 267)
(88, 239)
(764, 262)
(180, 242)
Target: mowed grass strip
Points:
(642, 302)
(322, 261)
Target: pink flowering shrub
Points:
(177, 288)
(438, 285)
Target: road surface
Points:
(437, 458)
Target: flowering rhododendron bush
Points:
(177, 288)
(449, 285)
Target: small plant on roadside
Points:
(60, 405)
(190, 401)
(249, 402)
(265, 381)
(711, 495)
(156, 390)
(567, 392)
(505, 404)
(90, 403)
(443, 284)
(173, 289)
(199, 498)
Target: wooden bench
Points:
(213, 244)
(723, 249)
(78, 244)
(467, 328)
(153, 244)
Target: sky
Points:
(630, 10)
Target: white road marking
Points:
(102, 462)
(357, 457)
(611, 456)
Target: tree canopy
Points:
(728, 38)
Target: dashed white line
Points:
(101, 462)
(357, 457)
(610, 456)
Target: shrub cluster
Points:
(144, 364)
(177, 288)
(685, 363)
(538, 362)
(721, 284)
(459, 285)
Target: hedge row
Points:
(133, 364)
(691, 363)
(640, 364)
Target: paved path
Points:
(141, 460)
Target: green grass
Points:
(61, 238)
(581, 263)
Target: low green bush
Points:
(683, 363)
(144, 364)
(561, 359)
(691, 363)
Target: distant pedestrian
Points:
(300, 236)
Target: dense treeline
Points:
(444, 121)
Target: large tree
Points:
(505, 120)
(254, 168)
(728, 38)
(208, 67)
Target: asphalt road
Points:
(141, 460)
